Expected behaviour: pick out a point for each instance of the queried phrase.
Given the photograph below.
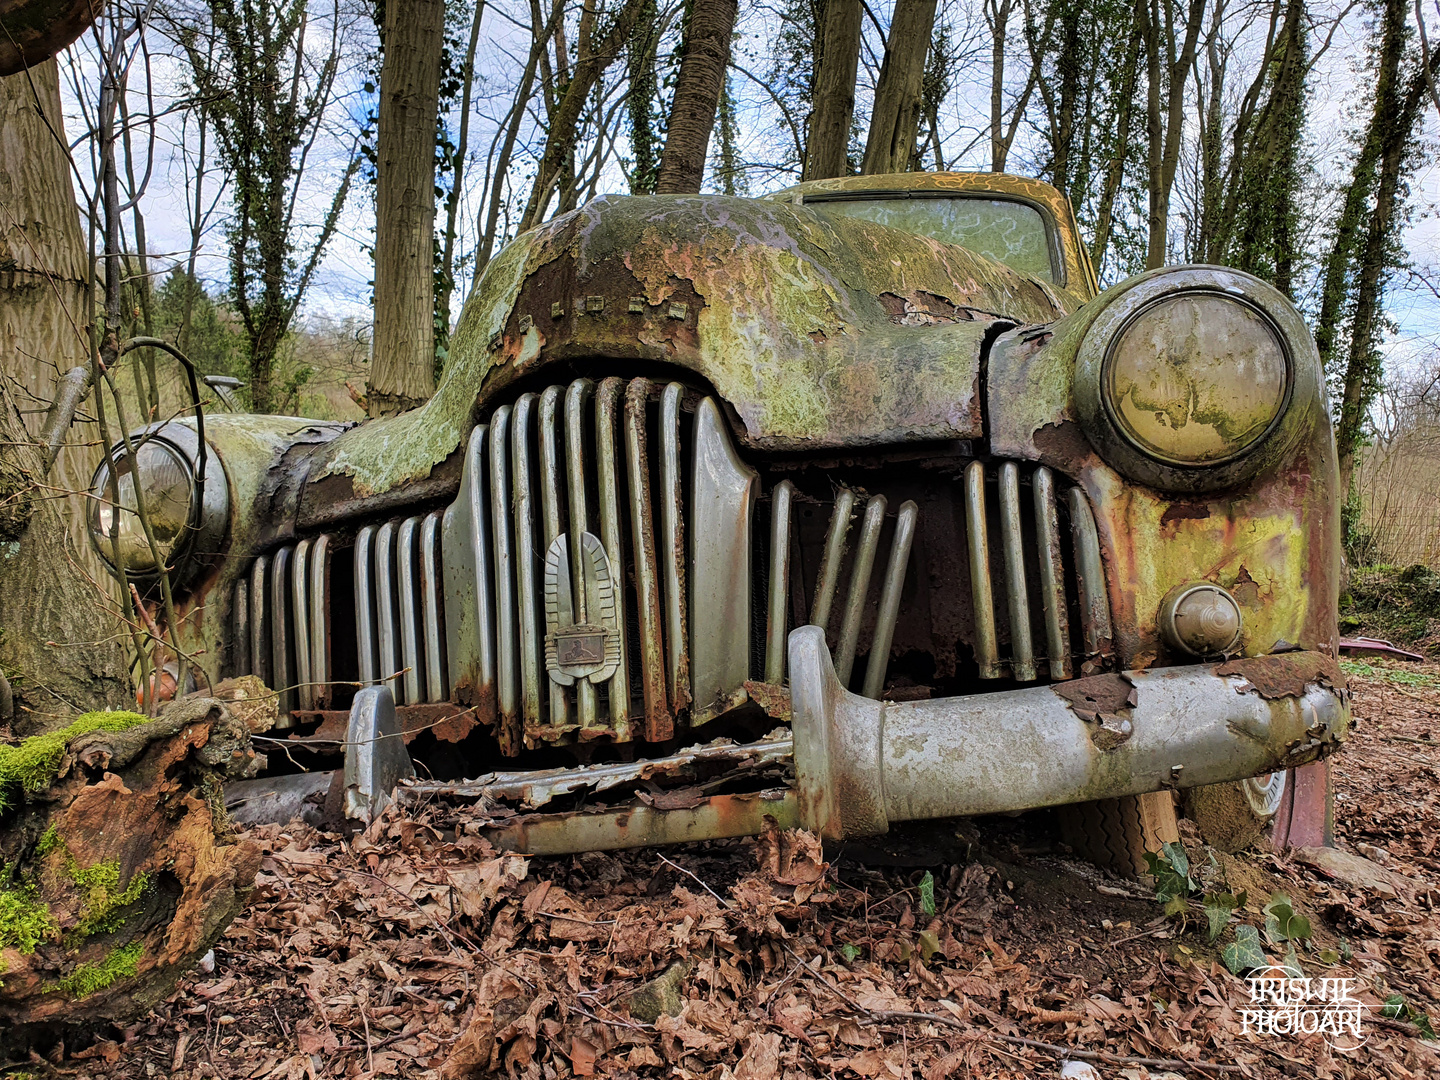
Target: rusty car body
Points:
(864, 489)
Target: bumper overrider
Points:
(861, 765)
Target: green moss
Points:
(87, 979)
(48, 842)
(24, 922)
(31, 765)
(104, 899)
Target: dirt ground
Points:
(393, 954)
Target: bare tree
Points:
(1169, 58)
(403, 369)
(895, 116)
(697, 95)
(834, 108)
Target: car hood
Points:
(818, 332)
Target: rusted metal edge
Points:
(537, 787)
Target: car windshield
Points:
(1009, 232)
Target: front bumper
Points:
(862, 764)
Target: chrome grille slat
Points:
(469, 625)
(834, 555)
(722, 494)
(890, 591)
(659, 721)
(576, 396)
(280, 668)
(388, 630)
(408, 596)
(527, 561)
(1052, 575)
(607, 404)
(437, 683)
(240, 629)
(550, 503)
(300, 607)
(320, 622)
(672, 547)
(259, 619)
(366, 639)
(859, 589)
(1090, 574)
(779, 600)
(1022, 648)
(505, 634)
(977, 535)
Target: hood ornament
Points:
(582, 631)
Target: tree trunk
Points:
(890, 147)
(122, 871)
(829, 139)
(60, 636)
(1165, 111)
(998, 15)
(403, 368)
(697, 95)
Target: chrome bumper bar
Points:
(862, 764)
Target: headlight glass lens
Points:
(165, 478)
(1196, 379)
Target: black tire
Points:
(1232, 816)
(1116, 833)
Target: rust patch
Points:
(774, 699)
(1097, 695)
(450, 723)
(1286, 674)
(1181, 511)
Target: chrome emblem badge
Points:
(582, 632)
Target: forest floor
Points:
(390, 953)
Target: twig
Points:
(571, 918)
(723, 902)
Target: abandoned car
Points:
(856, 504)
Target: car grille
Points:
(957, 574)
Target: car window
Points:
(1009, 232)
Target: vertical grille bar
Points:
(977, 534)
(240, 623)
(469, 625)
(780, 500)
(300, 605)
(890, 599)
(280, 631)
(659, 721)
(1090, 572)
(505, 636)
(320, 622)
(437, 683)
(606, 416)
(260, 619)
(1022, 648)
(411, 639)
(387, 625)
(526, 561)
(859, 590)
(672, 546)
(549, 465)
(575, 399)
(366, 639)
(834, 556)
(1052, 574)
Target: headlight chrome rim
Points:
(207, 520)
(1122, 305)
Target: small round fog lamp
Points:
(1200, 619)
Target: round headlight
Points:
(1195, 378)
(184, 521)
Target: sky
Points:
(341, 287)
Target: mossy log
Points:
(118, 867)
